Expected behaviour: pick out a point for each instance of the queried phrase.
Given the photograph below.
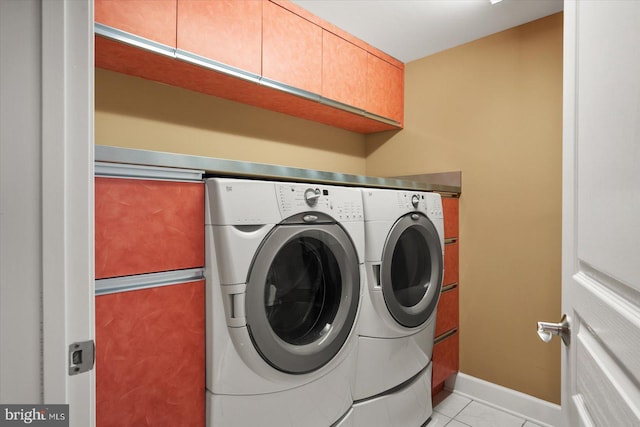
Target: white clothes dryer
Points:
(404, 234)
(284, 277)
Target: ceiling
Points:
(412, 29)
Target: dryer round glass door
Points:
(302, 296)
(411, 270)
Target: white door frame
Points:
(67, 201)
(569, 191)
(46, 209)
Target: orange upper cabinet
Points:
(151, 19)
(344, 71)
(385, 89)
(226, 31)
(291, 49)
(296, 56)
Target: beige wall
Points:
(135, 113)
(492, 109)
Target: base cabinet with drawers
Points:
(150, 334)
(446, 344)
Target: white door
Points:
(601, 213)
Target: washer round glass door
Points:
(411, 270)
(302, 296)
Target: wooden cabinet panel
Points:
(448, 312)
(300, 11)
(385, 89)
(121, 58)
(144, 226)
(291, 49)
(227, 31)
(150, 357)
(451, 264)
(446, 352)
(151, 19)
(344, 71)
(450, 208)
(275, 39)
(445, 359)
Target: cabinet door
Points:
(227, 31)
(144, 226)
(151, 19)
(150, 351)
(344, 71)
(385, 89)
(291, 49)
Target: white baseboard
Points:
(523, 405)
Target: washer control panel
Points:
(428, 203)
(341, 203)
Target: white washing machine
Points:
(284, 278)
(404, 232)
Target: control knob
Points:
(311, 196)
(415, 200)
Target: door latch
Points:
(82, 356)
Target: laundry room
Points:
(319, 213)
(490, 109)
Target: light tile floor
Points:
(455, 410)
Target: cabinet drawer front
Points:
(144, 226)
(450, 207)
(445, 359)
(150, 357)
(451, 264)
(151, 19)
(448, 312)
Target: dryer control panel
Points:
(343, 204)
(429, 203)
